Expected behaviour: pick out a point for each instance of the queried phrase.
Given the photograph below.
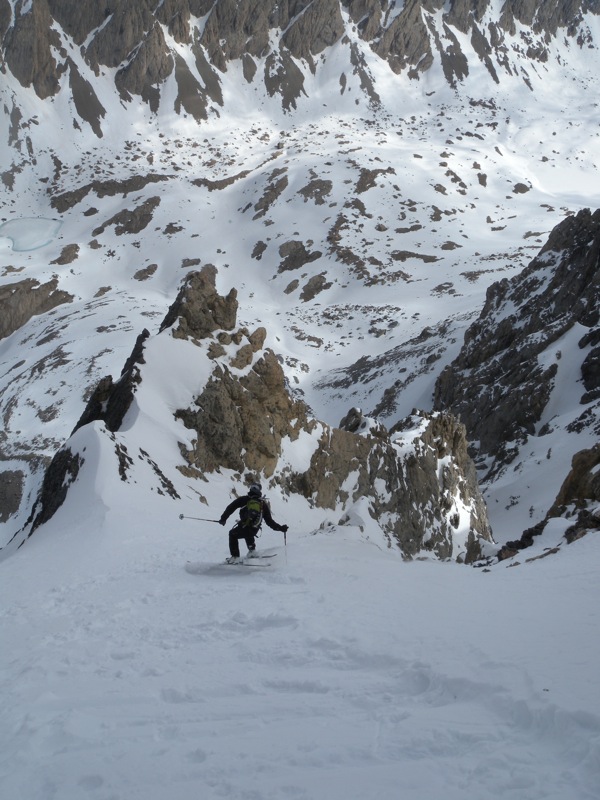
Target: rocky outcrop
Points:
(111, 400)
(61, 473)
(110, 188)
(320, 25)
(416, 481)
(233, 30)
(28, 49)
(241, 421)
(405, 44)
(582, 485)
(245, 419)
(424, 503)
(578, 500)
(199, 310)
(501, 383)
(144, 72)
(11, 492)
(131, 220)
(25, 299)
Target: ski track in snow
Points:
(336, 673)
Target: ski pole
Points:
(201, 519)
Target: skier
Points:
(253, 509)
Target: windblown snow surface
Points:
(134, 665)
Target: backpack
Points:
(251, 514)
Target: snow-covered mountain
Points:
(350, 248)
(360, 173)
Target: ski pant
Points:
(241, 532)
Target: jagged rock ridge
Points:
(47, 39)
(285, 62)
(245, 420)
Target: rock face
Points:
(110, 400)
(25, 299)
(423, 503)
(61, 473)
(578, 500)
(417, 481)
(504, 380)
(199, 310)
(501, 382)
(271, 40)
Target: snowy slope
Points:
(136, 667)
(441, 220)
(134, 664)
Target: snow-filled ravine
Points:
(137, 666)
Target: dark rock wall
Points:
(25, 299)
(499, 385)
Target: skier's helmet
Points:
(255, 490)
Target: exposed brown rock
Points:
(282, 76)
(68, 254)
(241, 422)
(295, 255)
(111, 400)
(61, 473)
(127, 27)
(314, 286)
(317, 190)
(79, 19)
(150, 66)
(578, 498)
(199, 309)
(129, 37)
(109, 188)
(319, 26)
(236, 28)
(85, 100)
(131, 221)
(582, 484)
(27, 50)
(25, 299)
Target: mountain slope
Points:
(341, 671)
(362, 194)
(361, 224)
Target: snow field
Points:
(136, 667)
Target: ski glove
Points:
(222, 521)
(284, 528)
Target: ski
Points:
(262, 555)
(257, 561)
(203, 568)
(249, 561)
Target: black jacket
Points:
(240, 502)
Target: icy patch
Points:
(29, 233)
